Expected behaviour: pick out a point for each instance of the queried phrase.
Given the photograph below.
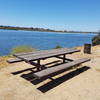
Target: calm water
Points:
(40, 40)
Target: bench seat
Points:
(13, 60)
(58, 68)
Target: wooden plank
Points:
(52, 70)
(47, 54)
(41, 51)
(13, 60)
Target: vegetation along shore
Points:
(39, 29)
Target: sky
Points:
(77, 15)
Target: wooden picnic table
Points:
(43, 54)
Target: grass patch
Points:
(22, 49)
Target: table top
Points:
(31, 56)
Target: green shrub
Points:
(22, 49)
(57, 47)
(96, 40)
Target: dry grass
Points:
(98, 70)
(3, 61)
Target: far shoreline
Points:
(41, 30)
(51, 31)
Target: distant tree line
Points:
(24, 28)
(39, 29)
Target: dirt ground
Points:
(82, 83)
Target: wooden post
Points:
(87, 48)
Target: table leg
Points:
(64, 57)
(38, 65)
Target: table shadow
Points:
(54, 82)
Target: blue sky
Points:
(81, 15)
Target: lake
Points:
(40, 40)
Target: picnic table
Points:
(44, 54)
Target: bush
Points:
(57, 47)
(96, 40)
(22, 49)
